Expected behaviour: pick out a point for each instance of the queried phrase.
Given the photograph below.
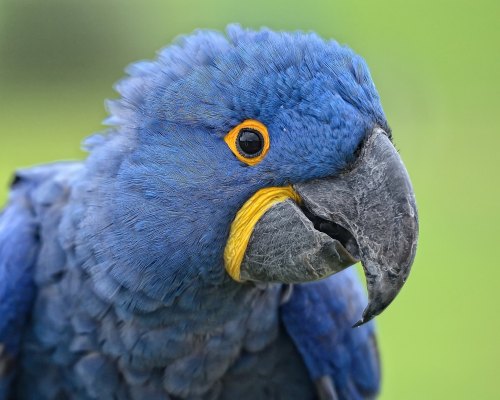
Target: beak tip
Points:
(368, 315)
(359, 323)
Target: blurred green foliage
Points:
(436, 65)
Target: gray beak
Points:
(366, 214)
(375, 203)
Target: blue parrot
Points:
(201, 250)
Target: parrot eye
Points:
(249, 141)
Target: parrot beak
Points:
(375, 203)
(367, 213)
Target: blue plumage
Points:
(126, 249)
(319, 317)
(18, 251)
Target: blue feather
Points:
(19, 245)
(319, 318)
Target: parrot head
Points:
(259, 157)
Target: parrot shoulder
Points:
(20, 246)
(342, 361)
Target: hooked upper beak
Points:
(366, 214)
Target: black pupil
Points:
(250, 142)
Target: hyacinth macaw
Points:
(183, 259)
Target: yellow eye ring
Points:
(249, 141)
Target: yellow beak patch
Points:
(245, 221)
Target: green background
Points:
(436, 65)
